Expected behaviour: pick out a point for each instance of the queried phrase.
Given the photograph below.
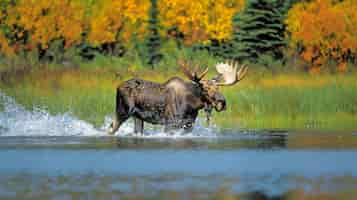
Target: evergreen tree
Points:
(221, 49)
(259, 30)
(153, 42)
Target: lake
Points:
(248, 165)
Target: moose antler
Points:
(228, 71)
(194, 75)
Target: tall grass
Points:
(261, 101)
(322, 102)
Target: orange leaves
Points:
(325, 28)
(47, 20)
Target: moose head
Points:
(228, 75)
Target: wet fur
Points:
(174, 104)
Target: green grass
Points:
(326, 107)
(262, 101)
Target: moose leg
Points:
(172, 117)
(138, 126)
(121, 113)
(115, 125)
(168, 128)
(172, 125)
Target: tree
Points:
(5, 47)
(326, 30)
(113, 20)
(153, 41)
(43, 26)
(200, 21)
(258, 30)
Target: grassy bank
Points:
(262, 101)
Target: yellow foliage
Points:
(40, 22)
(200, 20)
(111, 16)
(5, 48)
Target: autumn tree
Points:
(104, 25)
(35, 25)
(113, 20)
(199, 21)
(45, 20)
(324, 30)
(43, 24)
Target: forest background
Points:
(68, 56)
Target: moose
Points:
(175, 103)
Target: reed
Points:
(280, 101)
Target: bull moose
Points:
(175, 103)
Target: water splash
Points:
(155, 131)
(15, 120)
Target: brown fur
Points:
(174, 104)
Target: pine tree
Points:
(221, 49)
(259, 30)
(153, 42)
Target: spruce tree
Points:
(259, 30)
(221, 49)
(153, 41)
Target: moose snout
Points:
(220, 102)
